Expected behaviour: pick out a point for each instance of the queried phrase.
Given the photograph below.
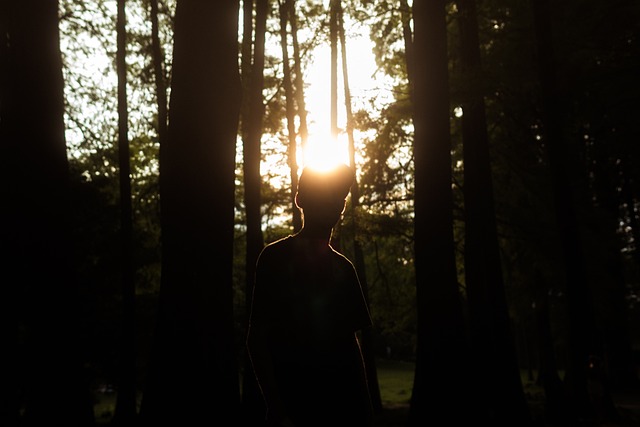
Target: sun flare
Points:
(324, 152)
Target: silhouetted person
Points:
(307, 308)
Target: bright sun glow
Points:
(369, 91)
(324, 153)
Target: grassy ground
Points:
(395, 379)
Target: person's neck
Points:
(321, 235)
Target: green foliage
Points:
(598, 63)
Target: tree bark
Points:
(491, 333)
(367, 344)
(159, 73)
(125, 411)
(333, 42)
(442, 353)
(555, 402)
(40, 309)
(407, 38)
(290, 114)
(298, 82)
(252, 145)
(252, 155)
(193, 374)
(584, 339)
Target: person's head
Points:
(322, 194)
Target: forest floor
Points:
(627, 405)
(395, 380)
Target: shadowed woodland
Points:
(148, 152)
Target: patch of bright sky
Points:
(369, 90)
(89, 70)
(88, 45)
(365, 85)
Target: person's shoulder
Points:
(342, 259)
(276, 248)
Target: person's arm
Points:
(258, 349)
(258, 345)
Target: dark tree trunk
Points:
(608, 177)
(290, 114)
(491, 333)
(441, 388)
(298, 82)
(407, 37)
(193, 374)
(584, 339)
(555, 402)
(159, 73)
(40, 310)
(252, 145)
(125, 411)
(333, 42)
(366, 341)
(253, 407)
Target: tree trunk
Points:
(159, 73)
(441, 388)
(333, 42)
(252, 145)
(125, 411)
(368, 348)
(491, 332)
(253, 407)
(407, 37)
(40, 309)
(555, 402)
(607, 178)
(299, 82)
(290, 114)
(193, 374)
(584, 339)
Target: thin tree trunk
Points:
(299, 82)
(555, 402)
(441, 387)
(125, 411)
(159, 73)
(333, 41)
(193, 373)
(245, 63)
(290, 113)
(407, 37)
(253, 406)
(491, 332)
(368, 351)
(252, 145)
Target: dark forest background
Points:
(494, 221)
